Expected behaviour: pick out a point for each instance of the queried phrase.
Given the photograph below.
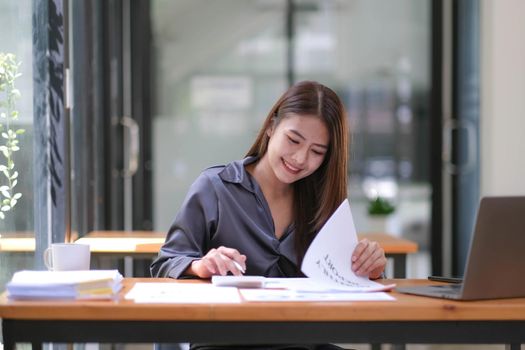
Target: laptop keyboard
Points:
(448, 289)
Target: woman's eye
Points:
(293, 140)
(319, 153)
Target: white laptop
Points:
(495, 265)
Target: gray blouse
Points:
(226, 207)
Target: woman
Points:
(261, 213)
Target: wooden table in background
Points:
(396, 248)
(408, 319)
(17, 242)
(146, 244)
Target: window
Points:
(16, 109)
(33, 163)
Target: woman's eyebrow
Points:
(304, 138)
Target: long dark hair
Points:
(316, 196)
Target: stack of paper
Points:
(91, 284)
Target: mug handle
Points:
(48, 258)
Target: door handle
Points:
(131, 146)
(449, 126)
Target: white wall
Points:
(503, 97)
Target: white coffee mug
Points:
(67, 257)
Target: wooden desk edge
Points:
(405, 308)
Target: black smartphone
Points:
(446, 279)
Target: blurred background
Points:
(125, 102)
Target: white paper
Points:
(291, 295)
(45, 278)
(328, 259)
(327, 263)
(88, 284)
(311, 285)
(182, 293)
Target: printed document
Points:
(328, 259)
(327, 263)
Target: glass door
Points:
(219, 66)
(376, 55)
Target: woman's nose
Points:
(300, 156)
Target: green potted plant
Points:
(379, 210)
(380, 206)
(9, 143)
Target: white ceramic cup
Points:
(67, 257)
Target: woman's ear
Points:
(269, 130)
(272, 126)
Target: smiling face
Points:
(297, 147)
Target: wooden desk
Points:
(19, 242)
(409, 319)
(114, 243)
(395, 248)
(146, 244)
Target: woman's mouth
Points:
(291, 168)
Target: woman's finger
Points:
(361, 254)
(234, 255)
(373, 260)
(359, 249)
(368, 259)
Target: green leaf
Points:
(380, 206)
(9, 93)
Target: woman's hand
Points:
(218, 261)
(368, 259)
